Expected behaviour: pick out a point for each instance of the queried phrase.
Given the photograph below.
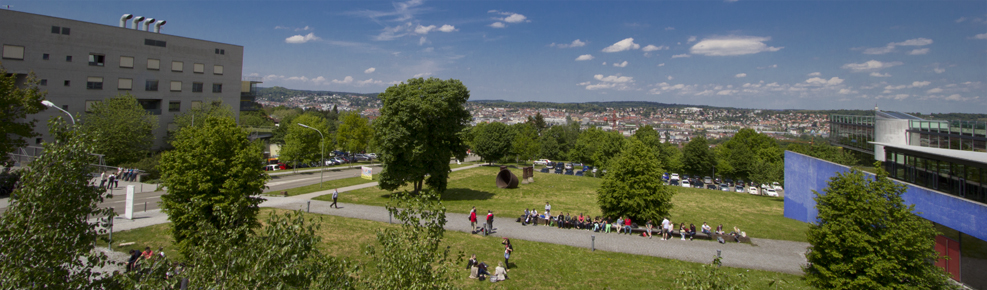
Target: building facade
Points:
(79, 64)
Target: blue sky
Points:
(924, 56)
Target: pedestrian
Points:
(112, 179)
(489, 220)
(473, 220)
(102, 180)
(508, 249)
(335, 195)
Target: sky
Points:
(911, 56)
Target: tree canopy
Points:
(121, 129)
(491, 141)
(212, 175)
(419, 130)
(17, 103)
(525, 144)
(867, 238)
(354, 133)
(697, 158)
(633, 186)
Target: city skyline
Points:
(925, 56)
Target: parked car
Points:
(362, 157)
(776, 185)
(271, 167)
(568, 166)
(372, 155)
(340, 160)
(707, 179)
(752, 190)
(724, 187)
(685, 183)
(673, 182)
(771, 192)
(542, 162)
(739, 188)
(675, 176)
(711, 186)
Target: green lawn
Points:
(337, 183)
(534, 265)
(759, 216)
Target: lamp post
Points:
(49, 104)
(322, 163)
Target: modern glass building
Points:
(957, 135)
(852, 132)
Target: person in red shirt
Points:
(473, 220)
(489, 220)
(627, 225)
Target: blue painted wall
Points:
(803, 174)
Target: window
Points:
(45, 56)
(65, 30)
(153, 42)
(38, 140)
(217, 69)
(151, 85)
(90, 105)
(13, 52)
(67, 82)
(196, 104)
(176, 86)
(217, 88)
(68, 58)
(153, 64)
(125, 84)
(127, 61)
(177, 66)
(97, 59)
(196, 87)
(198, 68)
(44, 82)
(94, 83)
(56, 29)
(174, 106)
(220, 51)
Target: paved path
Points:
(770, 255)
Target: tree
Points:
(492, 141)
(303, 144)
(865, 237)
(525, 144)
(212, 175)
(48, 241)
(538, 122)
(586, 146)
(419, 130)
(696, 156)
(255, 119)
(647, 135)
(17, 103)
(121, 129)
(410, 257)
(609, 147)
(549, 147)
(633, 186)
(195, 115)
(354, 133)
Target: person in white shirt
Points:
(335, 194)
(548, 209)
(707, 230)
(665, 229)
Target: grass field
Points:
(327, 185)
(759, 216)
(534, 265)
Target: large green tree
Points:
(610, 146)
(525, 144)
(537, 122)
(697, 158)
(196, 114)
(212, 175)
(48, 240)
(866, 237)
(633, 186)
(303, 144)
(419, 130)
(121, 129)
(354, 133)
(17, 103)
(587, 145)
(492, 141)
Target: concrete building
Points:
(81, 63)
(943, 165)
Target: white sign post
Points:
(128, 211)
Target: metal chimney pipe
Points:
(157, 26)
(137, 20)
(124, 18)
(147, 23)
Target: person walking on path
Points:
(508, 249)
(335, 195)
(112, 180)
(102, 180)
(473, 220)
(489, 220)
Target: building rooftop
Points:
(978, 157)
(895, 115)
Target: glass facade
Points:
(957, 135)
(962, 179)
(852, 132)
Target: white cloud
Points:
(421, 41)
(919, 51)
(424, 29)
(871, 65)
(845, 91)
(917, 84)
(419, 75)
(726, 92)
(915, 42)
(369, 82)
(346, 80)
(447, 28)
(880, 75)
(891, 46)
(626, 44)
(497, 25)
(670, 78)
(302, 38)
(584, 57)
(614, 78)
(575, 43)
(652, 47)
(823, 82)
(515, 18)
(369, 70)
(691, 39)
(669, 28)
(740, 75)
(815, 74)
(622, 64)
(609, 82)
(961, 19)
(681, 55)
(661, 64)
(732, 45)
(934, 91)
(939, 70)
(980, 36)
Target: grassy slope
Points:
(533, 266)
(759, 216)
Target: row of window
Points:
(151, 105)
(96, 83)
(96, 59)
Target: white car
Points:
(542, 162)
(685, 183)
(740, 188)
(675, 176)
(776, 185)
(752, 190)
(771, 192)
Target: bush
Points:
(148, 165)
(9, 178)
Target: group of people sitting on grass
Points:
(478, 270)
(620, 225)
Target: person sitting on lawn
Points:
(596, 224)
(719, 229)
(692, 231)
(471, 265)
(627, 225)
(706, 229)
(481, 270)
(500, 274)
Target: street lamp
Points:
(49, 104)
(322, 143)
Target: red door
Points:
(949, 248)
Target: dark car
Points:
(711, 186)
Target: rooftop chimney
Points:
(124, 18)
(157, 26)
(147, 23)
(136, 24)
